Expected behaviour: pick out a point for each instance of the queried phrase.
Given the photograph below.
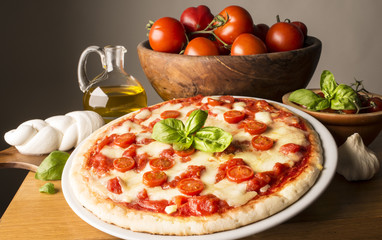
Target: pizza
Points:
(196, 165)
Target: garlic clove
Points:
(356, 161)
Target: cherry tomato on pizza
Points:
(196, 18)
(190, 186)
(185, 153)
(239, 173)
(154, 178)
(124, 140)
(262, 143)
(233, 116)
(201, 46)
(255, 127)
(170, 114)
(290, 148)
(161, 163)
(284, 36)
(248, 44)
(214, 102)
(124, 164)
(239, 21)
(167, 35)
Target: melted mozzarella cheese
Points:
(153, 149)
(233, 193)
(144, 114)
(264, 117)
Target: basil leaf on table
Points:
(212, 139)
(309, 99)
(168, 130)
(344, 98)
(328, 84)
(48, 188)
(52, 166)
(195, 121)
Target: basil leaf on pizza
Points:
(212, 139)
(195, 121)
(168, 130)
(183, 144)
(207, 139)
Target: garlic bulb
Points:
(355, 160)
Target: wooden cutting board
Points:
(11, 158)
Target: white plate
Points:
(330, 163)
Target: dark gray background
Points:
(42, 41)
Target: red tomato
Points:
(190, 186)
(131, 151)
(280, 168)
(261, 30)
(375, 103)
(141, 161)
(124, 164)
(167, 35)
(161, 163)
(239, 21)
(350, 111)
(248, 44)
(154, 178)
(255, 127)
(260, 180)
(222, 49)
(186, 152)
(302, 27)
(283, 36)
(233, 116)
(114, 186)
(170, 114)
(290, 148)
(239, 173)
(262, 143)
(124, 140)
(201, 46)
(196, 18)
(214, 102)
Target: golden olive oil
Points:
(112, 102)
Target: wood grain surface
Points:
(11, 158)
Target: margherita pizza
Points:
(197, 165)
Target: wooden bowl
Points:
(268, 76)
(341, 126)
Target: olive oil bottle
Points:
(113, 93)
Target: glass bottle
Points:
(113, 93)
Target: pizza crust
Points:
(158, 223)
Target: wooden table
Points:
(346, 210)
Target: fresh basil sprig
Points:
(337, 97)
(192, 133)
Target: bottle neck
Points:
(115, 56)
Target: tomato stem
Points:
(277, 18)
(217, 22)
